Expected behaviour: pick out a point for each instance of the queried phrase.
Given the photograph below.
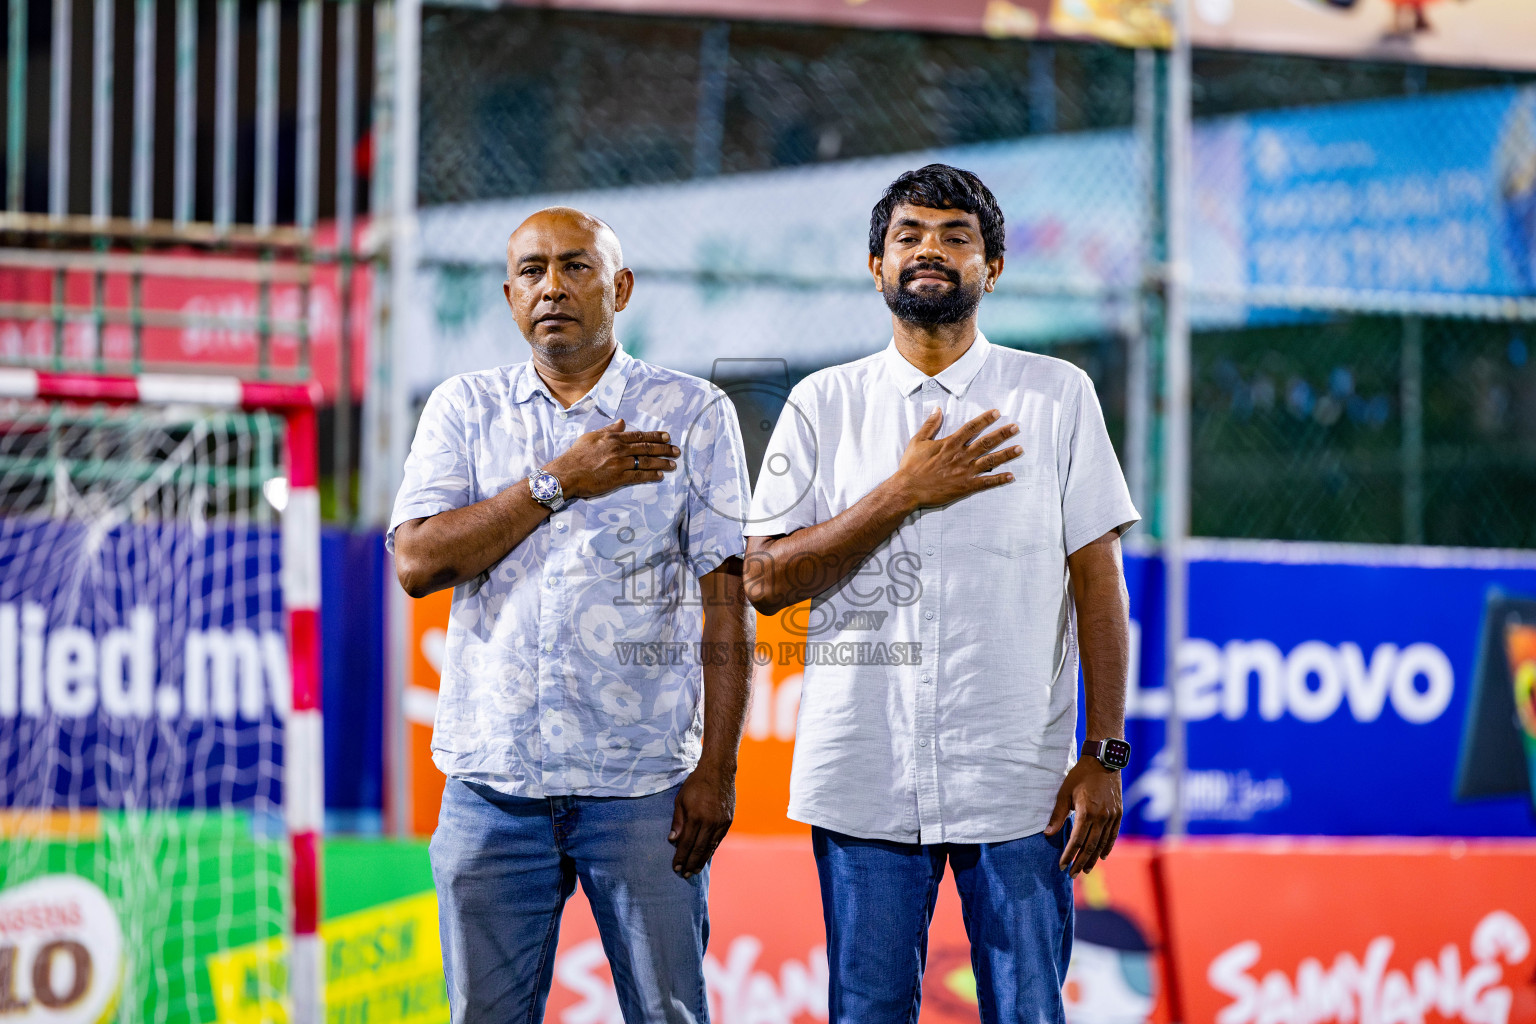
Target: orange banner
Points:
(768, 743)
(429, 637)
(1359, 932)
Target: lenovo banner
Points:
(1334, 690)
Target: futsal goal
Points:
(161, 792)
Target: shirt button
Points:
(929, 550)
(560, 526)
(922, 743)
(927, 615)
(927, 678)
(549, 646)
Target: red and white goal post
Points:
(302, 773)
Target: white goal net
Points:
(144, 683)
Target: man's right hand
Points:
(604, 459)
(936, 472)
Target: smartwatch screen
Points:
(1116, 754)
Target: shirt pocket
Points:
(1016, 519)
(611, 534)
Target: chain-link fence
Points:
(1361, 236)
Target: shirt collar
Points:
(954, 378)
(605, 394)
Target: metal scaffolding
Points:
(256, 220)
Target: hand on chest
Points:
(1009, 519)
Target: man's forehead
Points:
(932, 215)
(547, 236)
(560, 233)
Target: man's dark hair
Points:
(939, 187)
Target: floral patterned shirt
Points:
(571, 666)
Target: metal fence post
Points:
(1176, 395)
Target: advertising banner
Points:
(1126, 22)
(767, 958)
(1304, 664)
(141, 666)
(1326, 690)
(199, 343)
(1424, 196)
(774, 264)
(1489, 33)
(181, 919)
(112, 917)
(1478, 33)
(1430, 195)
(767, 743)
(1367, 932)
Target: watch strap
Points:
(1099, 748)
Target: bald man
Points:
(585, 507)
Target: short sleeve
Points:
(1094, 496)
(783, 501)
(716, 464)
(437, 476)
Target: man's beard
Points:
(931, 310)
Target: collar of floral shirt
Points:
(605, 394)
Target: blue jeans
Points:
(878, 899)
(504, 867)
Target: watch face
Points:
(544, 487)
(1116, 754)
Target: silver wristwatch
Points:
(545, 488)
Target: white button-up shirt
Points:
(571, 665)
(939, 701)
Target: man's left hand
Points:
(700, 817)
(1091, 793)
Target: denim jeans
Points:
(878, 899)
(504, 867)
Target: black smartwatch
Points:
(1112, 754)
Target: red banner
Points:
(195, 344)
(1359, 932)
(767, 959)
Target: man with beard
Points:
(578, 503)
(965, 499)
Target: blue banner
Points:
(1326, 690)
(1430, 194)
(141, 666)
